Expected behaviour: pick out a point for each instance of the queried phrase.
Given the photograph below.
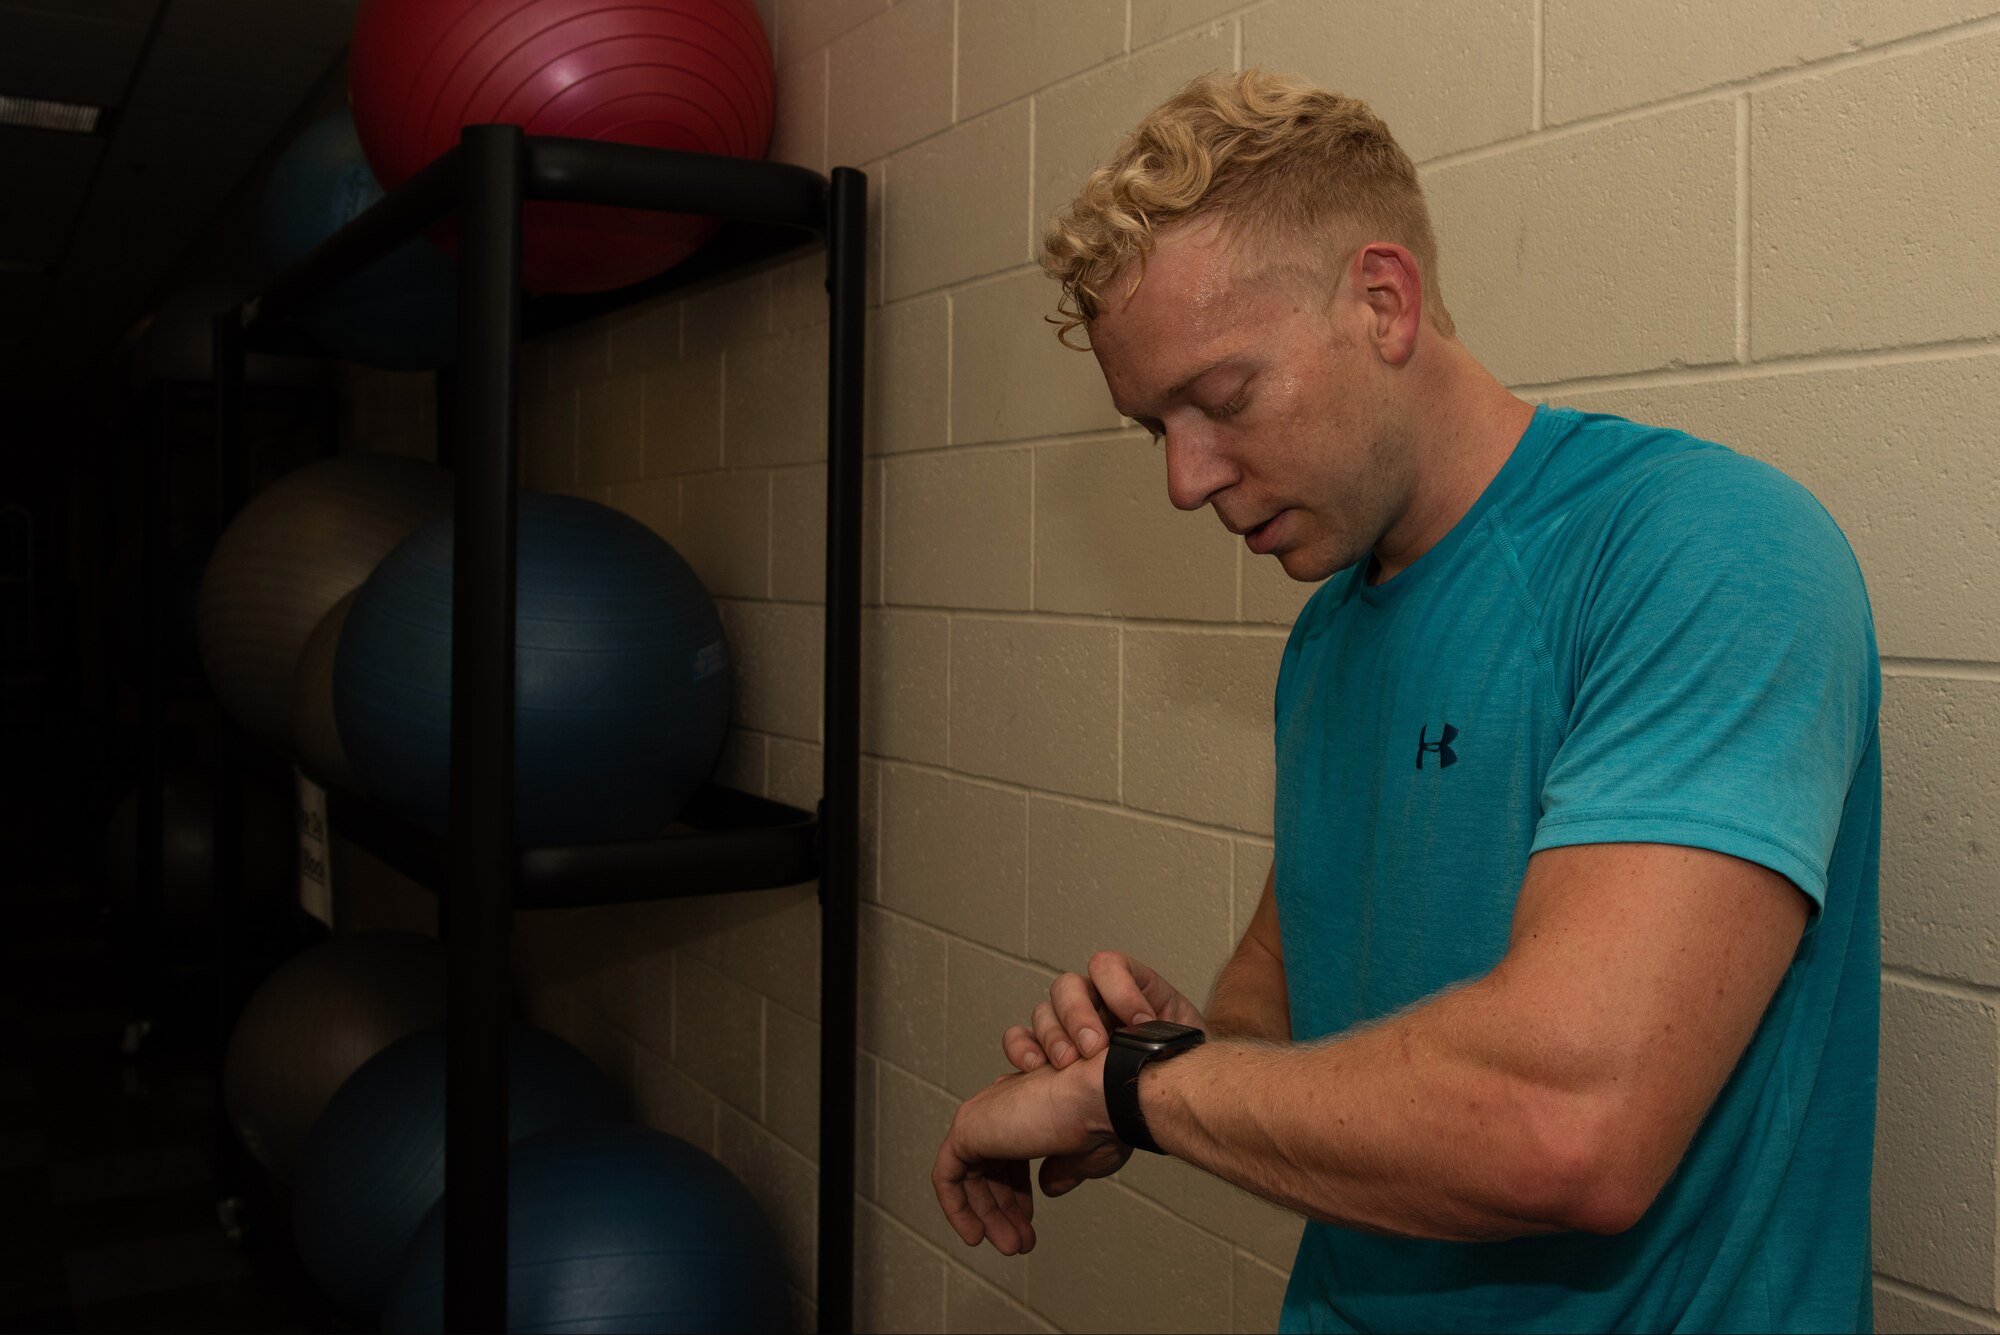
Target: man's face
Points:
(1271, 402)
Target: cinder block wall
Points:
(1769, 223)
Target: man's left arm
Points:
(1558, 1092)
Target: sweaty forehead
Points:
(1192, 305)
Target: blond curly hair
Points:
(1285, 167)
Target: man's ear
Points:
(1388, 280)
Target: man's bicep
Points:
(1642, 972)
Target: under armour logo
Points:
(1446, 756)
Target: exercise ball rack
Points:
(725, 841)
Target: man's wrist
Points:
(1092, 1109)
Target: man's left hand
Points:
(981, 1177)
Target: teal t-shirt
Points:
(1632, 636)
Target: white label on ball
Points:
(711, 660)
(315, 860)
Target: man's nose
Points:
(1196, 469)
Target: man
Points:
(1559, 1009)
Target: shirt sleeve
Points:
(1725, 670)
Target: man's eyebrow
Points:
(1189, 382)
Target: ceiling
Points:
(92, 226)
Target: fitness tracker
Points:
(1131, 1048)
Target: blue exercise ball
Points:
(622, 683)
(373, 1164)
(615, 1228)
(401, 312)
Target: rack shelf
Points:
(727, 840)
(723, 842)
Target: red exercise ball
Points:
(684, 74)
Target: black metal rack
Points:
(725, 841)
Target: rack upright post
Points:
(484, 860)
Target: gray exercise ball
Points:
(315, 737)
(299, 546)
(313, 1023)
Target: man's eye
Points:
(1231, 408)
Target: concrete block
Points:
(1935, 1142)
(804, 26)
(1096, 1265)
(1259, 1294)
(957, 529)
(776, 650)
(905, 704)
(718, 316)
(1270, 596)
(798, 534)
(1830, 204)
(548, 438)
(609, 446)
(1900, 455)
(668, 1101)
(989, 994)
(908, 399)
(726, 532)
(774, 400)
(971, 1304)
(954, 854)
(770, 944)
(907, 49)
(1197, 726)
(644, 337)
(719, 1035)
(1941, 828)
(1604, 251)
(791, 1080)
(1036, 702)
(798, 132)
(794, 773)
(654, 502)
(1268, 1231)
(1153, 20)
(1088, 869)
(1484, 53)
(958, 204)
(1011, 379)
(899, 1282)
(683, 417)
(1010, 48)
(783, 1183)
(1901, 1313)
(1079, 125)
(903, 972)
(1604, 55)
(1109, 542)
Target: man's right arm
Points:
(1249, 997)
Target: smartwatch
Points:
(1131, 1048)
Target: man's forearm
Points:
(1414, 1127)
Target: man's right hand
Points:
(1076, 1021)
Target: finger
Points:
(1080, 1011)
(948, 1181)
(1131, 990)
(997, 1204)
(1024, 1053)
(1049, 1032)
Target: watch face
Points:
(1155, 1034)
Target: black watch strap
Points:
(1131, 1049)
